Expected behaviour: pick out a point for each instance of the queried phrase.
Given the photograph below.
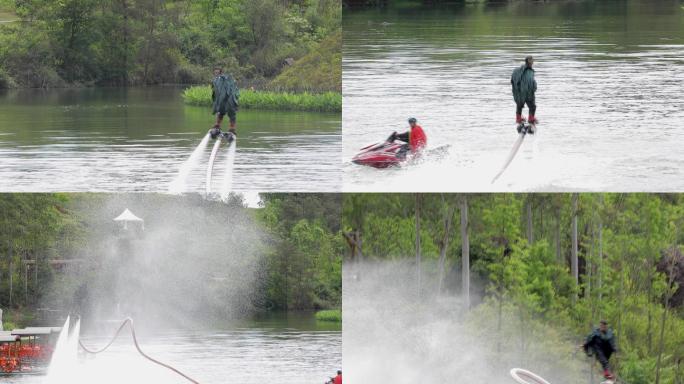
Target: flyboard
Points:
(524, 129)
(219, 136)
(523, 376)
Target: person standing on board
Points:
(224, 96)
(414, 138)
(601, 342)
(524, 86)
(338, 378)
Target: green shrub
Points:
(323, 102)
(331, 315)
(319, 70)
(8, 326)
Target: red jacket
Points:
(338, 379)
(417, 138)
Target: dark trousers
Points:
(530, 104)
(602, 356)
(232, 115)
(403, 151)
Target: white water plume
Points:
(227, 184)
(178, 185)
(65, 355)
(394, 333)
(210, 165)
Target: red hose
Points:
(137, 346)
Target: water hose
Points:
(137, 346)
(524, 376)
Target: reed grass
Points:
(267, 100)
(331, 315)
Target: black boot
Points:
(215, 132)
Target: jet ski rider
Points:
(415, 139)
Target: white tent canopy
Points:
(128, 216)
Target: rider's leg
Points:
(232, 115)
(603, 359)
(533, 108)
(403, 151)
(219, 120)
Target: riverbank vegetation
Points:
(147, 42)
(329, 315)
(195, 260)
(536, 271)
(249, 99)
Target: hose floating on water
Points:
(137, 346)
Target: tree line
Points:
(543, 266)
(146, 42)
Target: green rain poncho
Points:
(224, 94)
(523, 83)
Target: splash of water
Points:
(210, 166)
(227, 184)
(65, 356)
(179, 183)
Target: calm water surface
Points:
(123, 140)
(610, 97)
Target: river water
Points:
(133, 140)
(610, 97)
(285, 348)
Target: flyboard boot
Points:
(231, 134)
(215, 132)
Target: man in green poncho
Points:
(224, 95)
(601, 343)
(524, 87)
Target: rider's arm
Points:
(403, 137)
(612, 344)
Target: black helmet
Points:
(412, 120)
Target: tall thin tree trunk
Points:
(663, 320)
(152, 25)
(599, 270)
(354, 241)
(559, 257)
(418, 255)
(11, 282)
(465, 253)
(621, 299)
(574, 263)
(443, 248)
(530, 233)
(124, 4)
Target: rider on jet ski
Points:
(414, 138)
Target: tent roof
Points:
(127, 215)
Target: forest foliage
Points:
(545, 268)
(146, 42)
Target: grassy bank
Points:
(284, 101)
(319, 70)
(331, 315)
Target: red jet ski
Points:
(386, 154)
(380, 155)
